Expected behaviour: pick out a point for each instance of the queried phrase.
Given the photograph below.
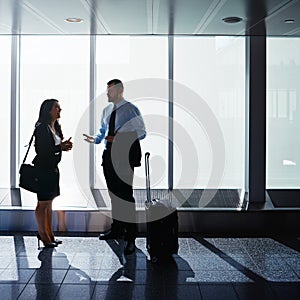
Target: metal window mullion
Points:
(247, 62)
(92, 106)
(171, 112)
(256, 89)
(14, 108)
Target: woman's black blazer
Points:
(47, 154)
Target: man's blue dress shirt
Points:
(128, 119)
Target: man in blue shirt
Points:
(122, 127)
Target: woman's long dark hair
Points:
(45, 117)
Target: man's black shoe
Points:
(109, 235)
(130, 248)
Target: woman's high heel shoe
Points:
(46, 245)
(58, 242)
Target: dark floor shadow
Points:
(122, 282)
(247, 272)
(167, 276)
(293, 243)
(140, 278)
(48, 280)
(45, 287)
(117, 246)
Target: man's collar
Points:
(122, 102)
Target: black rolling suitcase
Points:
(162, 224)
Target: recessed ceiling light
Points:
(289, 21)
(74, 20)
(232, 20)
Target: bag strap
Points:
(30, 142)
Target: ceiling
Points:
(150, 17)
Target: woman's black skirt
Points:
(48, 184)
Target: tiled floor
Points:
(205, 268)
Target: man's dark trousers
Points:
(119, 184)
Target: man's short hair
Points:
(117, 82)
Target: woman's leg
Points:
(49, 221)
(41, 219)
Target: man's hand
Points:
(110, 138)
(89, 138)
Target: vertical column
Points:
(92, 106)
(171, 111)
(256, 94)
(14, 109)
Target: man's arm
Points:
(135, 123)
(139, 125)
(100, 136)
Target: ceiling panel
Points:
(275, 23)
(182, 17)
(229, 8)
(6, 11)
(125, 16)
(50, 15)
(191, 17)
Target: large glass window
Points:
(134, 60)
(54, 67)
(5, 78)
(209, 111)
(283, 115)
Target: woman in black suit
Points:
(48, 146)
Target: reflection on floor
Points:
(205, 268)
(72, 198)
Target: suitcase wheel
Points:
(154, 259)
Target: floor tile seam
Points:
(235, 291)
(284, 267)
(221, 284)
(25, 285)
(65, 276)
(92, 295)
(236, 263)
(294, 255)
(57, 268)
(295, 272)
(7, 267)
(258, 284)
(233, 269)
(2, 270)
(66, 271)
(23, 268)
(253, 261)
(56, 295)
(88, 268)
(249, 274)
(165, 287)
(61, 285)
(188, 243)
(32, 276)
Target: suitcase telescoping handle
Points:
(147, 154)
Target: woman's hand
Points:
(66, 145)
